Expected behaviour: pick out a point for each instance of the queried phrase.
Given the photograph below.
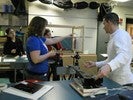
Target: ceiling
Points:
(125, 4)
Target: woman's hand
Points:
(13, 51)
(52, 53)
(37, 58)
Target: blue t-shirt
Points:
(37, 43)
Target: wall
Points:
(73, 17)
(102, 40)
(124, 12)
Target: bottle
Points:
(1, 32)
(2, 57)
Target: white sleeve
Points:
(101, 63)
(123, 55)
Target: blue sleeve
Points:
(33, 44)
(43, 39)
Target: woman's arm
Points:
(55, 40)
(37, 58)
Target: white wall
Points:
(124, 12)
(73, 17)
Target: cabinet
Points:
(2, 41)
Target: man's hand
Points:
(89, 64)
(103, 71)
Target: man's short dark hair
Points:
(113, 17)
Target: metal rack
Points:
(74, 29)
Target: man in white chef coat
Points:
(119, 50)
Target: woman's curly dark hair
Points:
(46, 31)
(7, 32)
(37, 26)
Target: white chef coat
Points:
(119, 52)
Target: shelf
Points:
(13, 13)
(76, 43)
(2, 39)
(10, 19)
(6, 13)
(3, 36)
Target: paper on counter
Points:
(33, 96)
(9, 60)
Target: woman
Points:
(57, 46)
(13, 45)
(58, 61)
(37, 51)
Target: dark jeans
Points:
(39, 77)
(10, 75)
(52, 70)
